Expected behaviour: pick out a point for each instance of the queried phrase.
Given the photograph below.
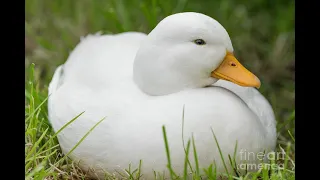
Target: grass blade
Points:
(196, 158)
(182, 134)
(224, 164)
(62, 128)
(172, 174)
(83, 138)
(186, 161)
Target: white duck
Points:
(140, 82)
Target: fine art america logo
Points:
(248, 158)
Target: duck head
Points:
(187, 50)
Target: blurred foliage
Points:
(262, 32)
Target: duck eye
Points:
(199, 42)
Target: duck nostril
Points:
(233, 64)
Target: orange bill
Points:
(231, 70)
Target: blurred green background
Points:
(262, 32)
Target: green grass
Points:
(262, 33)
